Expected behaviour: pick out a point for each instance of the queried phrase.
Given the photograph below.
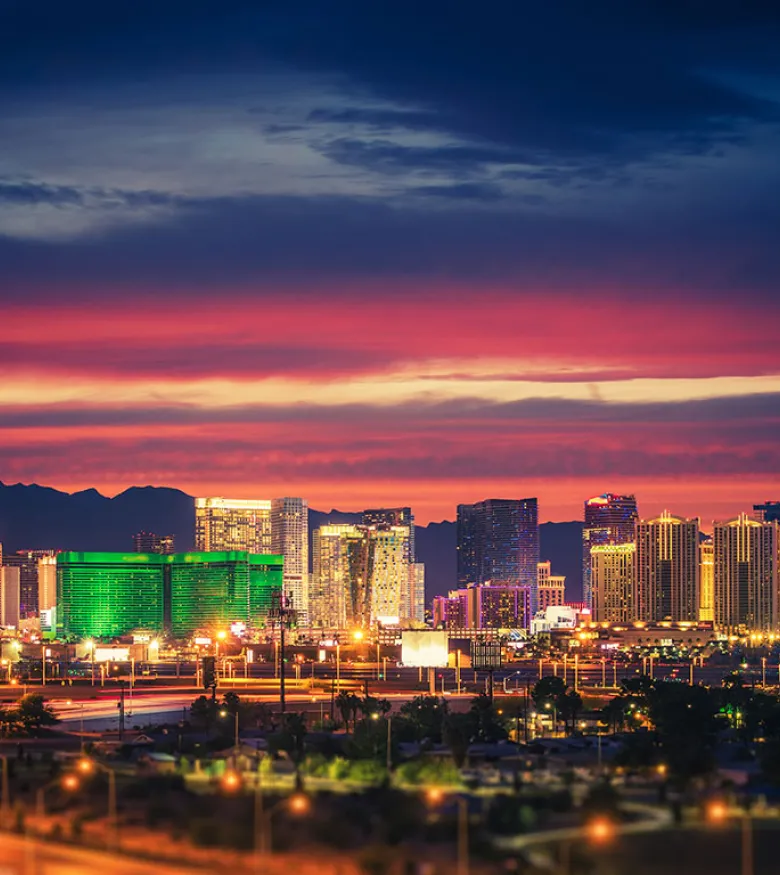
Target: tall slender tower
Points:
(361, 575)
(290, 539)
(412, 607)
(745, 571)
(498, 542)
(609, 519)
(667, 569)
(707, 581)
(613, 582)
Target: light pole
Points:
(576, 672)
(548, 706)
(604, 672)
(226, 713)
(389, 757)
(298, 803)
(763, 671)
(69, 783)
(5, 802)
(90, 645)
(435, 797)
(81, 730)
(717, 813)
(87, 766)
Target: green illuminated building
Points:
(104, 595)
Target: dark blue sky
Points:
(454, 214)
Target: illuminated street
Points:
(24, 856)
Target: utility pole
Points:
(121, 707)
(283, 613)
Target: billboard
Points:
(486, 655)
(424, 649)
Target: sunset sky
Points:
(393, 252)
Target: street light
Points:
(90, 645)
(87, 766)
(549, 707)
(600, 831)
(226, 713)
(68, 782)
(6, 796)
(435, 797)
(298, 804)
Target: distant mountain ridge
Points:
(39, 517)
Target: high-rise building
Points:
(401, 517)
(609, 519)
(290, 539)
(745, 574)
(148, 542)
(27, 563)
(707, 581)
(227, 524)
(417, 614)
(106, 595)
(550, 588)
(613, 583)
(498, 607)
(10, 594)
(498, 542)
(47, 583)
(211, 591)
(667, 569)
(450, 611)
(767, 512)
(360, 575)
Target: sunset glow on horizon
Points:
(252, 261)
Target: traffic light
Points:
(209, 672)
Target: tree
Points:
(231, 702)
(203, 712)
(372, 705)
(569, 705)
(348, 705)
(686, 724)
(485, 723)
(292, 739)
(614, 713)
(546, 691)
(456, 734)
(425, 715)
(32, 712)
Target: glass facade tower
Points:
(609, 519)
(498, 542)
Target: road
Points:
(166, 697)
(26, 856)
